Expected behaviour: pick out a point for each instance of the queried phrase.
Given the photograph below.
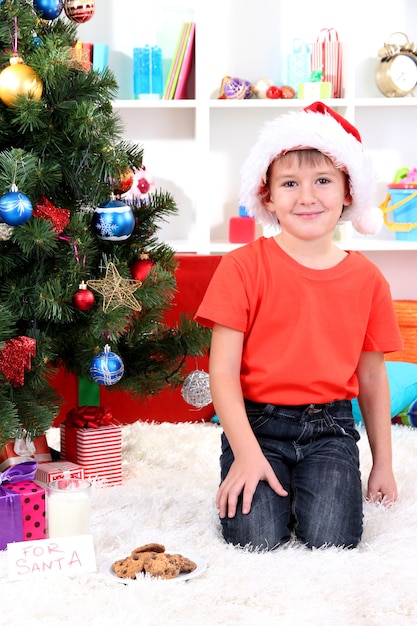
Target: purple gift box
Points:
(22, 505)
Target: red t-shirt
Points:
(304, 328)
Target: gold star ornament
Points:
(116, 291)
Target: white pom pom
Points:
(370, 222)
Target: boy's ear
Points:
(348, 196)
(266, 198)
(269, 204)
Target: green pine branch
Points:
(69, 147)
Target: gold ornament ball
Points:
(19, 79)
(261, 87)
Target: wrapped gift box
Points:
(313, 91)
(97, 450)
(47, 472)
(22, 508)
(297, 67)
(19, 450)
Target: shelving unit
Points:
(195, 148)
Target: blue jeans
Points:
(313, 451)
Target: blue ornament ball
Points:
(113, 221)
(15, 207)
(107, 368)
(48, 9)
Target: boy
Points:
(300, 328)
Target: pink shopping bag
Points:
(326, 56)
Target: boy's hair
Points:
(319, 128)
(308, 156)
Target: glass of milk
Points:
(68, 507)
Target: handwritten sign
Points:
(69, 555)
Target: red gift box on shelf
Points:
(24, 449)
(47, 472)
(22, 505)
(89, 439)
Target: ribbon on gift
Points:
(316, 76)
(24, 446)
(89, 417)
(16, 473)
(11, 526)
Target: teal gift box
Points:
(298, 63)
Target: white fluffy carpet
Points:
(170, 481)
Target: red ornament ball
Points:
(273, 92)
(141, 268)
(124, 182)
(78, 11)
(83, 299)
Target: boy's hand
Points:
(382, 486)
(244, 475)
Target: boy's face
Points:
(306, 194)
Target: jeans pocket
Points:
(258, 414)
(342, 422)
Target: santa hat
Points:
(319, 127)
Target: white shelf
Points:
(266, 103)
(154, 104)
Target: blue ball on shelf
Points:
(113, 221)
(107, 367)
(15, 207)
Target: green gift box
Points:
(315, 90)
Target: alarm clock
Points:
(396, 72)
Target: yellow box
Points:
(321, 90)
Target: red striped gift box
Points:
(97, 450)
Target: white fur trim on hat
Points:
(309, 129)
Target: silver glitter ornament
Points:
(196, 389)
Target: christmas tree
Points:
(85, 282)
